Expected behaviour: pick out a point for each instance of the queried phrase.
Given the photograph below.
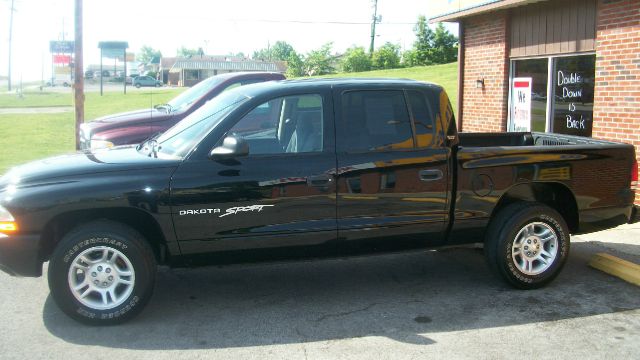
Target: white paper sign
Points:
(521, 104)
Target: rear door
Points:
(392, 170)
(281, 196)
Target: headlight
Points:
(100, 144)
(7, 223)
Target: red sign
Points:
(61, 59)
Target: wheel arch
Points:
(555, 195)
(137, 219)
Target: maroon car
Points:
(136, 126)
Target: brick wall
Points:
(486, 46)
(616, 110)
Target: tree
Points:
(439, 47)
(423, 44)
(262, 54)
(185, 52)
(355, 60)
(295, 65)
(445, 46)
(319, 62)
(280, 51)
(147, 53)
(386, 57)
(409, 58)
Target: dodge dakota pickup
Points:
(303, 169)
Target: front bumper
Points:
(20, 255)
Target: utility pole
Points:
(11, 11)
(78, 86)
(374, 20)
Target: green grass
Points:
(36, 99)
(445, 75)
(29, 137)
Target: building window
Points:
(570, 81)
(537, 70)
(191, 74)
(573, 86)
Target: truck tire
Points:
(102, 273)
(527, 244)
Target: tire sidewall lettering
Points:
(125, 308)
(69, 255)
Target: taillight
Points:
(634, 175)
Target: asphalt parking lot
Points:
(443, 304)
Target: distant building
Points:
(166, 63)
(190, 71)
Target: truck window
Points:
(422, 118)
(373, 120)
(291, 124)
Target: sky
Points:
(219, 27)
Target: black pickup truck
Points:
(302, 169)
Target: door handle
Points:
(430, 175)
(319, 180)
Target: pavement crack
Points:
(346, 313)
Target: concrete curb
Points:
(617, 267)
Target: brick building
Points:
(579, 61)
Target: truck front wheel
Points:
(527, 244)
(102, 273)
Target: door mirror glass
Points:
(232, 146)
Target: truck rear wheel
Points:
(527, 244)
(102, 273)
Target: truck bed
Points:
(592, 177)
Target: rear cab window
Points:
(373, 120)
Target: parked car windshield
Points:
(185, 135)
(192, 95)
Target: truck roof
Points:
(319, 83)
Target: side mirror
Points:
(232, 146)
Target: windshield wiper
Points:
(150, 144)
(150, 147)
(168, 107)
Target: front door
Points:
(280, 196)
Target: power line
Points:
(286, 21)
(319, 22)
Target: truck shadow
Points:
(404, 297)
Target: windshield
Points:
(185, 135)
(192, 95)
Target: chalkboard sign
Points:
(573, 84)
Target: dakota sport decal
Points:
(229, 211)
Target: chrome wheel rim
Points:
(101, 278)
(534, 248)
